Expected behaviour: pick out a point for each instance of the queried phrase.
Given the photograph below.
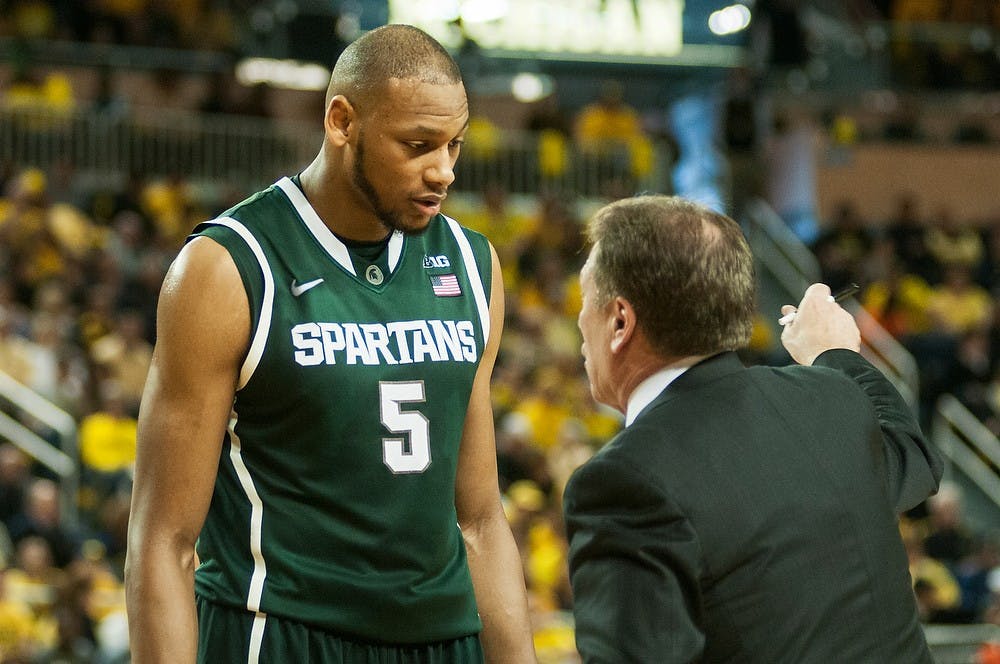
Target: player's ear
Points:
(339, 120)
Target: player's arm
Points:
(493, 556)
(203, 328)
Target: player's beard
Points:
(392, 221)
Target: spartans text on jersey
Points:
(399, 342)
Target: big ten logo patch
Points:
(431, 262)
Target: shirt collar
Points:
(651, 387)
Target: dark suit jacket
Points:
(750, 515)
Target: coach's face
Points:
(405, 151)
(596, 324)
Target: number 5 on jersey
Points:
(395, 454)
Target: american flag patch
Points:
(445, 285)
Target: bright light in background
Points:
(483, 11)
(443, 10)
(574, 28)
(470, 11)
(730, 19)
(527, 87)
(289, 74)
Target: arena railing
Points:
(248, 153)
(788, 267)
(18, 403)
(241, 152)
(972, 451)
(959, 644)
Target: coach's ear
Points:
(339, 120)
(623, 323)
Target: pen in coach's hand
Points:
(841, 295)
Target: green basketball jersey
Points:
(334, 503)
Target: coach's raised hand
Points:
(819, 324)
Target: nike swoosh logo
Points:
(299, 289)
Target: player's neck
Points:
(336, 204)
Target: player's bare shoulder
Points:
(203, 291)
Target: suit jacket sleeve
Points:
(913, 465)
(634, 567)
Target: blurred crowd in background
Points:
(82, 260)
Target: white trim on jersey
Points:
(256, 637)
(256, 519)
(395, 249)
(267, 305)
(254, 355)
(475, 279)
(330, 242)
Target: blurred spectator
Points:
(545, 407)
(33, 90)
(554, 235)
(104, 202)
(33, 253)
(126, 242)
(988, 271)
(141, 293)
(972, 372)
(111, 525)
(34, 580)
(572, 449)
(483, 138)
(552, 126)
(934, 585)
(973, 575)
(509, 228)
(958, 305)
(97, 316)
(908, 232)
(169, 204)
(15, 314)
(948, 539)
(15, 351)
(952, 240)
(896, 298)
(546, 563)
(95, 593)
(911, 55)
(88, 596)
(123, 356)
(612, 129)
(15, 476)
(44, 351)
(17, 623)
(518, 457)
(42, 517)
(107, 445)
(107, 101)
(53, 300)
(843, 246)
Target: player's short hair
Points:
(387, 52)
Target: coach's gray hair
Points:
(686, 270)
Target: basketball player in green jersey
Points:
(316, 470)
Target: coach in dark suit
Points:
(743, 514)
